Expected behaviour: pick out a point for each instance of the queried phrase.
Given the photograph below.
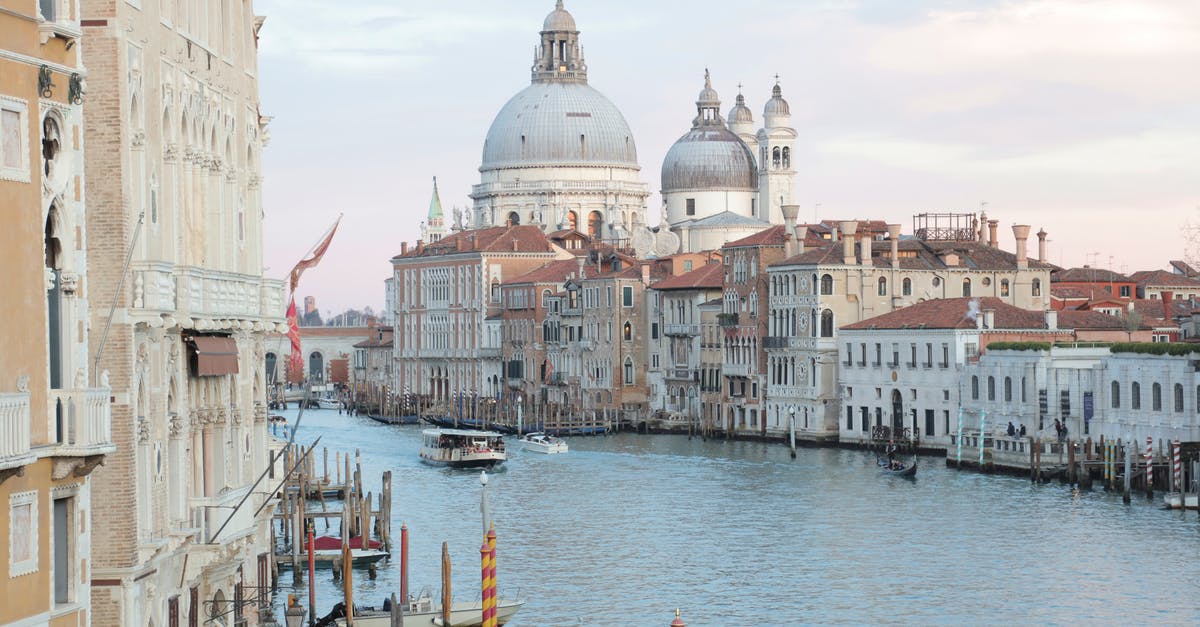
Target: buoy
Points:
(678, 622)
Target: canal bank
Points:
(625, 528)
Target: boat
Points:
(905, 470)
(329, 402)
(462, 448)
(541, 443)
(395, 420)
(328, 549)
(422, 611)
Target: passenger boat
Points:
(462, 448)
(423, 611)
(542, 443)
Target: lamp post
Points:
(520, 406)
(483, 501)
(294, 615)
(792, 428)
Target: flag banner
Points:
(297, 359)
(549, 371)
(314, 258)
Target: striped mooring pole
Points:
(1149, 463)
(1177, 461)
(487, 554)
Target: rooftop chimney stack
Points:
(982, 232)
(801, 233)
(1021, 234)
(403, 248)
(865, 248)
(645, 275)
(1041, 244)
(789, 227)
(992, 226)
(1052, 319)
(1167, 295)
(894, 235)
(580, 261)
(849, 228)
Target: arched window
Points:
(906, 287)
(1156, 397)
(966, 287)
(627, 332)
(882, 286)
(1003, 287)
(775, 157)
(595, 222)
(271, 360)
(826, 284)
(1037, 287)
(53, 247)
(1178, 397)
(787, 157)
(316, 366)
(545, 298)
(1008, 389)
(514, 218)
(1116, 395)
(991, 388)
(572, 220)
(627, 377)
(827, 323)
(1135, 396)
(974, 387)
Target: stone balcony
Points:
(586, 344)
(210, 513)
(735, 370)
(686, 330)
(15, 449)
(79, 423)
(189, 292)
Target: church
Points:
(560, 155)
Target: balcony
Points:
(783, 341)
(735, 370)
(515, 383)
(210, 513)
(681, 374)
(15, 452)
(586, 344)
(187, 291)
(80, 424)
(687, 330)
(556, 378)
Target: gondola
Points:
(909, 470)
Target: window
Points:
(827, 284)
(64, 514)
(691, 206)
(827, 323)
(14, 140)
(627, 296)
(654, 330)
(1135, 396)
(1064, 402)
(906, 287)
(974, 388)
(1008, 389)
(1004, 287)
(882, 286)
(1178, 397)
(627, 332)
(850, 418)
(966, 287)
(1124, 291)
(1037, 287)
(991, 388)
(929, 422)
(22, 533)
(627, 376)
(1156, 397)
(1116, 395)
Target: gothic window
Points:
(966, 290)
(787, 157)
(827, 323)
(627, 375)
(53, 247)
(51, 145)
(906, 287)
(826, 284)
(627, 332)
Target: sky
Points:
(1079, 117)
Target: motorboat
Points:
(542, 443)
(423, 611)
(462, 448)
(329, 402)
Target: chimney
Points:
(1052, 319)
(992, 226)
(849, 227)
(1167, 295)
(516, 245)
(789, 227)
(1041, 244)
(645, 275)
(833, 234)
(989, 318)
(801, 234)
(403, 248)
(894, 235)
(458, 244)
(580, 261)
(983, 220)
(1021, 234)
(865, 248)
(420, 246)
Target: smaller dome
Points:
(708, 96)
(559, 19)
(776, 105)
(709, 158)
(740, 113)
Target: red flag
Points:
(549, 371)
(314, 258)
(296, 364)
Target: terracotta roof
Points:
(770, 236)
(709, 276)
(1068, 292)
(927, 255)
(1164, 278)
(1184, 268)
(953, 313)
(1078, 319)
(525, 238)
(374, 341)
(1087, 275)
(1153, 309)
(553, 272)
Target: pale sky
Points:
(1082, 118)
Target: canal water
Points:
(624, 529)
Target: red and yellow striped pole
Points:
(485, 559)
(489, 594)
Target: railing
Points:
(735, 370)
(80, 421)
(681, 329)
(14, 430)
(210, 512)
(161, 287)
(561, 186)
(679, 373)
(775, 341)
(515, 383)
(555, 378)
(586, 344)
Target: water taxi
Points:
(542, 443)
(462, 448)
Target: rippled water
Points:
(625, 528)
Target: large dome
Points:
(558, 123)
(709, 157)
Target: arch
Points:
(184, 138)
(316, 366)
(1036, 287)
(906, 287)
(1003, 287)
(1116, 394)
(966, 287)
(826, 284)
(1156, 396)
(54, 265)
(627, 331)
(974, 387)
(572, 221)
(991, 388)
(1135, 395)
(595, 224)
(166, 123)
(787, 157)
(775, 157)
(827, 323)
(271, 361)
(1008, 389)
(897, 411)
(514, 218)
(627, 375)
(1178, 397)
(882, 286)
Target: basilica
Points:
(560, 155)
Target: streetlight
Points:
(294, 616)
(520, 406)
(792, 428)
(483, 501)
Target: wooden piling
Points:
(1070, 462)
(446, 583)
(1128, 449)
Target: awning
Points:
(215, 355)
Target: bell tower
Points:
(559, 58)
(776, 143)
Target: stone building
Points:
(527, 335)
(175, 139)
(677, 373)
(55, 419)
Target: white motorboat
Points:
(329, 402)
(422, 611)
(462, 448)
(542, 443)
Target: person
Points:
(1011, 429)
(891, 453)
(1022, 432)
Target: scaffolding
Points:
(946, 227)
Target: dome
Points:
(776, 105)
(559, 20)
(558, 123)
(740, 113)
(709, 157)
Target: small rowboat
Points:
(905, 470)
